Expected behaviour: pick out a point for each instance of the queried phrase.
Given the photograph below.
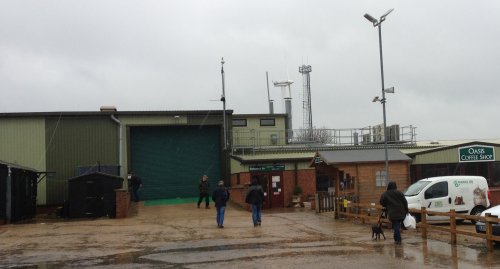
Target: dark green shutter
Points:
(171, 160)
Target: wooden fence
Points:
(348, 210)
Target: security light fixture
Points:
(370, 18)
(389, 90)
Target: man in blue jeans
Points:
(396, 208)
(255, 197)
(220, 196)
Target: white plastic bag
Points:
(409, 222)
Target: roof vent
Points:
(108, 109)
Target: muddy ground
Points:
(183, 236)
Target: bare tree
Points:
(314, 135)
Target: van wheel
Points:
(476, 211)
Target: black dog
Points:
(377, 231)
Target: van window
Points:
(416, 187)
(437, 190)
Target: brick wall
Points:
(495, 196)
(305, 178)
(244, 179)
(122, 203)
(238, 195)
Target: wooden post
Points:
(453, 227)
(361, 215)
(489, 232)
(347, 214)
(316, 200)
(337, 208)
(423, 219)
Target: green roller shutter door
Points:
(171, 160)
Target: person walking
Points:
(220, 196)
(203, 188)
(255, 197)
(136, 183)
(396, 208)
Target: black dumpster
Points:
(93, 195)
(22, 185)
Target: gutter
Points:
(120, 142)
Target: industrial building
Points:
(170, 150)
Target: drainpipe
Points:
(120, 143)
(296, 172)
(8, 204)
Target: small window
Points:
(267, 122)
(438, 190)
(239, 122)
(380, 179)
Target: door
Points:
(437, 198)
(272, 185)
(171, 159)
(276, 190)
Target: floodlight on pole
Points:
(378, 23)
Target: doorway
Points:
(272, 184)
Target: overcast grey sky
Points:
(442, 57)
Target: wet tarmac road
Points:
(182, 236)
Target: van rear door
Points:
(437, 198)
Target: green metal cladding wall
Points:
(73, 142)
(22, 142)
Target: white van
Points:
(465, 194)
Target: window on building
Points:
(495, 180)
(267, 122)
(381, 179)
(239, 122)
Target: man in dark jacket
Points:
(396, 208)
(203, 188)
(255, 197)
(136, 183)
(220, 196)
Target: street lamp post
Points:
(223, 99)
(378, 23)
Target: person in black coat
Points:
(255, 197)
(203, 187)
(136, 183)
(396, 208)
(220, 196)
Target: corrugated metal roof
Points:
(260, 115)
(356, 156)
(444, 143)
(292, 156)
(117, 113)
(491, 142)
(18, 166)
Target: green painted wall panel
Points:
(22, 142)
(73, 142)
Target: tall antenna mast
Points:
(306, 103)
(271, 106)
(223, 99)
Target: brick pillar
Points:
(122, 203)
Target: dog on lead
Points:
(377, 231)
(377, 228)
